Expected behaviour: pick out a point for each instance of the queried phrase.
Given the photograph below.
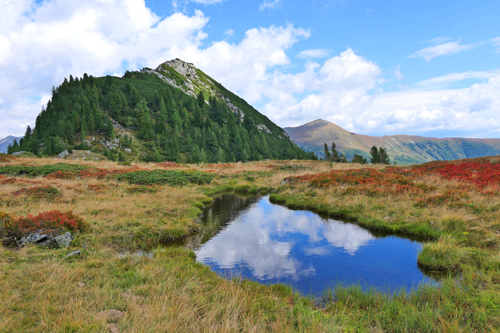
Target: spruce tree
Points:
(327, 153)
(384, 157)
(375, 155)
(335, 154)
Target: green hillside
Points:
(173, 113)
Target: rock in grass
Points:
(73, 254)
(64, 240)
(64, 154)
(18, 153)
(32, 239)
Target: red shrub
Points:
(47, 222)
(4, 180)
(97, 187)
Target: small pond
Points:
(251, 237)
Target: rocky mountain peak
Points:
(186, 69)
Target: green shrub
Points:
(43, 170)
(166, 177)
(48, 193)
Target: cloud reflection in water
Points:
(263, 240)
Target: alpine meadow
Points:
(230, 189)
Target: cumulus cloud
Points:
(470, 110)
(42, 44)
(314, 53)
(432, 52)
(340, 85)
(270, 4)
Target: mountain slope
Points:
(175, 112)
(404, 149)
(5, 142)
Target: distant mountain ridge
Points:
(5, 142)
(404, 149)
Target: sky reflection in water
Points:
(256, 239)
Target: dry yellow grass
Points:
(171, 292)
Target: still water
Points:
(269, 243)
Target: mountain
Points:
(175, 112)
(5, 142)
(404, 149)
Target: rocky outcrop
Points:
(110, 144)
(64, 154)
(163, 77)
(46, 240)
(185, 69)
(19, 153)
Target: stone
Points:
(64, 154)
(80, 284)
(18, 153)
(112, 314)
(64, 240)
(31, 239)
(128, 150)
(73, 254)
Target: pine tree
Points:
(375, 155)
(121, 158)
(327, 153)
(359, 159)
(335, 154)
(145, 125)
(177, 120)
(384, 158)
(200, 99)
(115, 106)
(203, 157)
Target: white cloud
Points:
(417, 110)
(314, 53)
(397, 73)
(432, 52)
(270, 4)
(496, 42)
(229, 33)
(445, 80)
(339, 85)
(40, 45)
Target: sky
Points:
(416, 67)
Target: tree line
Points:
(169, 124)
(378, 155)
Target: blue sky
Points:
(427, 68)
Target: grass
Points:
(139, 207)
